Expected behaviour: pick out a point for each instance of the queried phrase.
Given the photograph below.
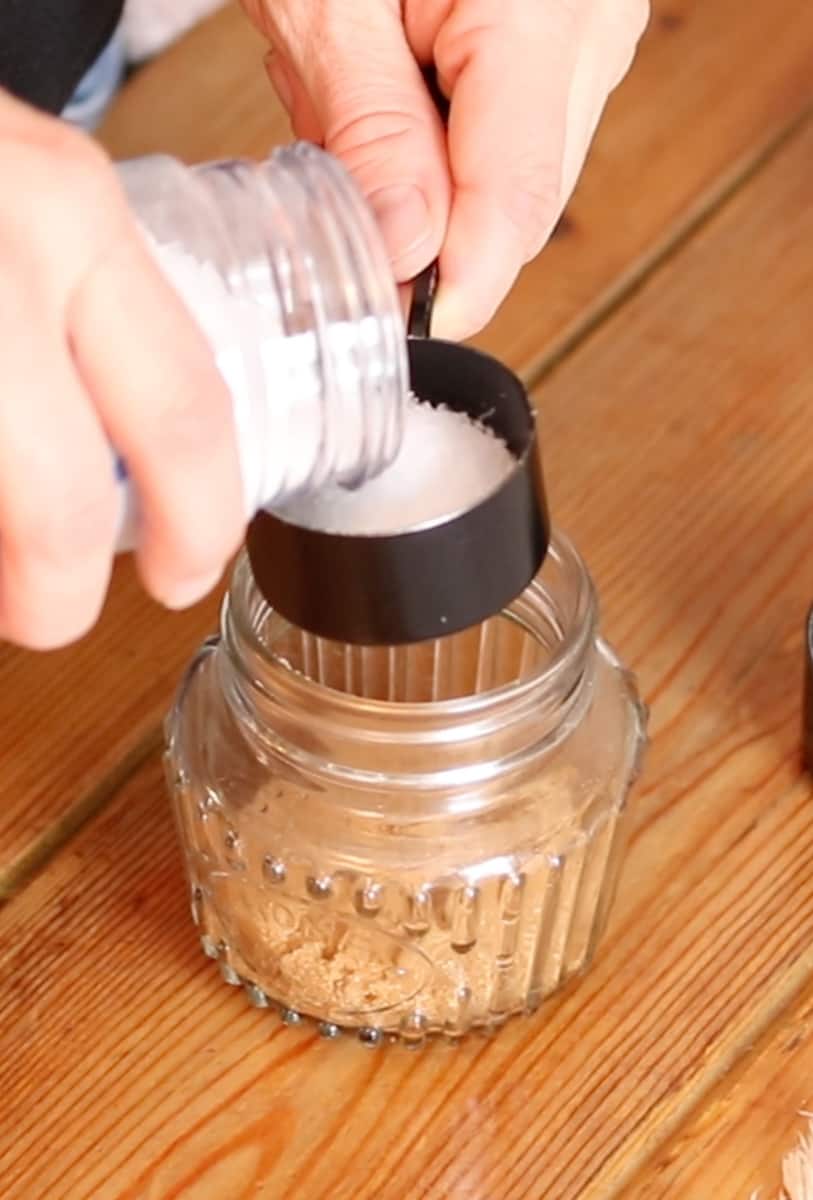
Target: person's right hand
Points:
(96, 348)
(526, 81)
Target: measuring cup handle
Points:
(425, 285)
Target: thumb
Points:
(508, 186)
(366, 92)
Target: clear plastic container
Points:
(413, 840)
(284, 268)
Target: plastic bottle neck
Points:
(283, 267)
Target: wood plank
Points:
(141, 1075)
(75, 721)
(734, 1146)
(679, 458)
(205, 97)
(680, 130)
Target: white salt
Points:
(287, 388)
(282, 382)
(447, 464)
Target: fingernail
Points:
(451, 320)
(190, 591)
(403, 218)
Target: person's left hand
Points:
(528, 81)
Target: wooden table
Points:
(666, 334)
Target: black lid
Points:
(412, 586)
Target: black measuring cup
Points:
(414, 585)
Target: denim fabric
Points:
(97, 88)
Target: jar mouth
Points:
(536, 648)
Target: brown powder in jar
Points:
(328, 962)
(345, 981)
(358, 987)
(324, 957)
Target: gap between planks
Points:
(650, 262)
(42, 850)
(747, 1044)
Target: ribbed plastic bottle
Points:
(283, 267)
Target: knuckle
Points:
(77, 165)
(72, 522)
(98, 211)
(67, 145)
(367, 134)
(77, 153)
(460, 38)
(64, 202)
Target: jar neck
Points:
(283, 267)
(457, 714)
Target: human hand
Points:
(528, 81)
(96, 346)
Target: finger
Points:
(295, 99)
(57, 494)
(509, 78)
(423, 21)
(154, 382)
(139, 357)
(605, 55)
(376, 115)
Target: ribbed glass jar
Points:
(413, 840)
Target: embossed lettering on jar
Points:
(406, 840)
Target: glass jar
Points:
(283, 267)
(406, 840)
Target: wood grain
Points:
(76, 721)
(734, 1147)
(680, 132)
(206, 97)
(129, 1071)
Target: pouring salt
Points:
(447, 464)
